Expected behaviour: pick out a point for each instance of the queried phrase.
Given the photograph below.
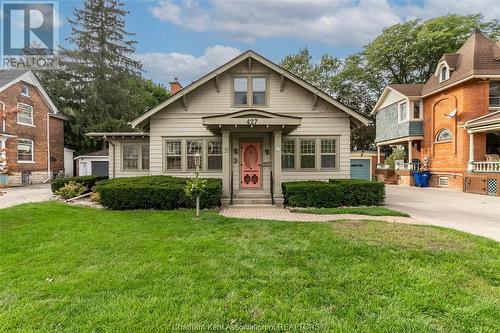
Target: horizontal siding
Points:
(118, 172)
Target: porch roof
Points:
(251, 119)
(484, 123)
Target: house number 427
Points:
(251, 121)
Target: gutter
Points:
(48, 150)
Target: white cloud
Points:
(165, 66)
(341, 22)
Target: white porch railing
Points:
(486, 166)
(408, 166)
(382, 166)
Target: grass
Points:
(371, 211)
(75, 269)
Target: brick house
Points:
(31, 130)
(452, 122)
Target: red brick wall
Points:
(471, 101)
(38, 133)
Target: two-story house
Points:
(31, 130)
(452, 122)
(251, 122)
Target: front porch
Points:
(251, 155)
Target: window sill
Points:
(26, 96)
(26, 124)
(25, 162)
(494, 108)
(444, 141)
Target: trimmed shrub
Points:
(335, 193)
(155, 192)
(87, 181)
(70, 190)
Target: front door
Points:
(250, 165)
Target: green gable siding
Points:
(388, 127)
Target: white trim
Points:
(23, 85)
(386, 91)
(252, 55)
(32, 124)
(399, 140)
(407, 102)
(32, 151)
(441, 66)
(412, 104)
(460, 82)
(29, 77)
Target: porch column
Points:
(278, 195)
(378, 154)
(226, 167)
(410, 153)
(471, 152)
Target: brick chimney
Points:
(175, 86)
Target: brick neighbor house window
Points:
(444, 135)
(25, 114)
(494, 94)
(25, 150)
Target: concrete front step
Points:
(256, 206)
(253, 194)
(252, 201)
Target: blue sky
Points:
(187, 38)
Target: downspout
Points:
(112, 164)
(48, 150)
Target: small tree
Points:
(194, 188)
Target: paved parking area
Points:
(476, 214)
(18, 195)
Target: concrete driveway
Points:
(476, 214)
(18, 195)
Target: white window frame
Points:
(400, 120)
(335, 150)
(32, 114)
(421, 113)
(139, 156)
(206, 141)
(2, 121)
(447, 73)
(184, 156)
(444, 182)
(27, 93)
(32, 151)
(496, 107)
(181, 141)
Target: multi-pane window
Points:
(214, 155)
(131, 157)
(288, 154)
(307, 154)
(402, 111)
(192, 148)
(494, 94)
(145, 157)
(25, 150)
(259, 91)
(25, 114)
(444, 135)
(328, 155)
(173, 155)
(416, 110)
(240, 91)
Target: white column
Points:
(471, 152)
(226, 165)
(278, 195)
(410, 152)
(378, 154)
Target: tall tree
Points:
(99, 85)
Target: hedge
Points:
(155, 192)
(87, 181)
(335, 193)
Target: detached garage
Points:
(95, 164)
(363, 164)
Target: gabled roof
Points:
(476, 57)
(409, 90)
(8, 77)
(245, 55)
(404, 90)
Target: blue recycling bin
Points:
(417, 177)
(425, 176)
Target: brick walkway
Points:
(282, 214)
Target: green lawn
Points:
(74, 269)
(371, 211)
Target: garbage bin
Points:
(425, 176)
(417, 176)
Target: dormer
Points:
(444, 72)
